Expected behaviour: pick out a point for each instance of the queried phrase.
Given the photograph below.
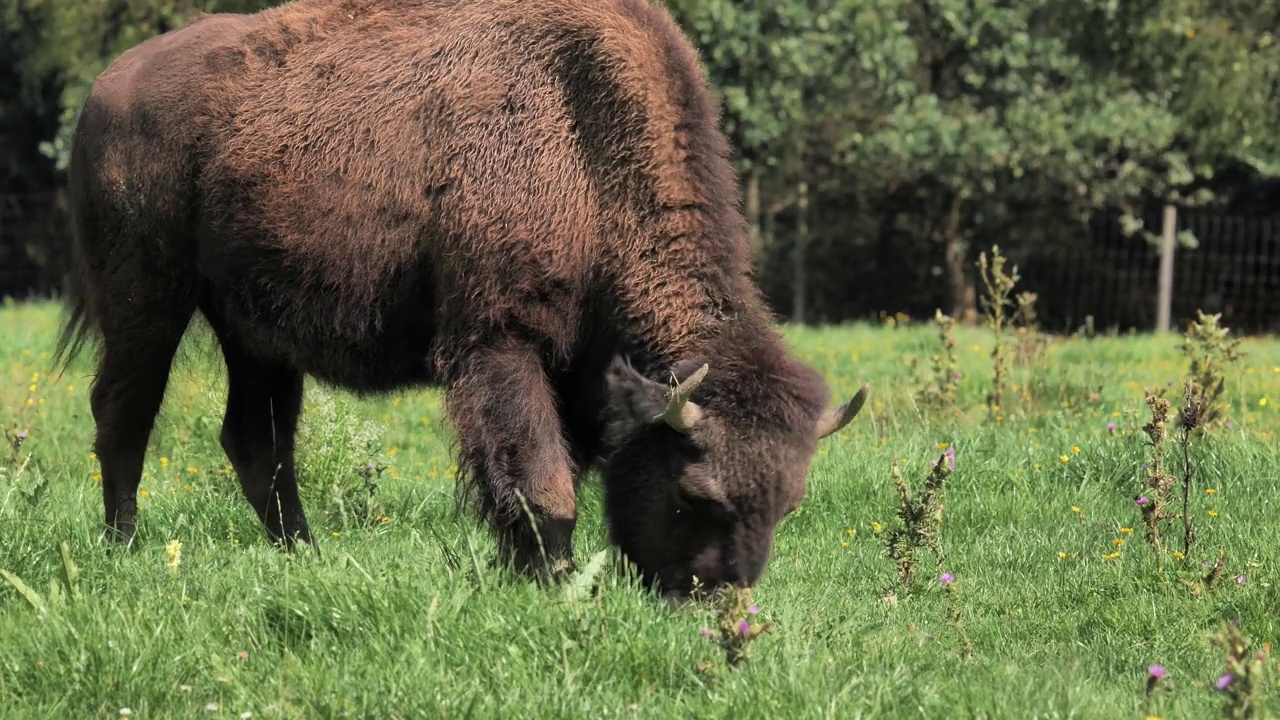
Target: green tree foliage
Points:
(949, 122)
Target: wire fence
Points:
(1102, 278)
(1112, 280)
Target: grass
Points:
(401, 616)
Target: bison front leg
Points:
(515, 468)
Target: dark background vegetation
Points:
(882, 145)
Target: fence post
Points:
(1164, 300)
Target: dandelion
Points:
(1075, 448)
(1177, 555)
(1213, 513)
(1262, 402)
(876, 526)
(1126, 531)
(1210, 491)
(1075, 508)
(1062, 555)
(1064, 459)
(1118, 542)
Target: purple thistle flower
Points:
(1111, 427)
(22, 434)
(744, 627)
(1142, 500)
(753, 609)
(946, 578)
(1156, 671)
(1224, 681)
(706, 632)
(957, 374)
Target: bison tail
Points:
(78, 322)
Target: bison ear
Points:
(836, 418)
(638, 401)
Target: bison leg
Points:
(514, 461)
(126, 395)
(263, 403)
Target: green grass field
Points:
(1061, 608)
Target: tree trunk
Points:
(964, 296)
(799, 253)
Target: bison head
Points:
(697, 490)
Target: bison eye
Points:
(706, 507)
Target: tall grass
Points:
(1051, 605)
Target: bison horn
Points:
(681, 413)
(834, 419)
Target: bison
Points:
(528, 203)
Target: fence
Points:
(1114, 279)
(1102, 276)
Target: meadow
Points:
(1048, 601)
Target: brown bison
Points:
(526, 202)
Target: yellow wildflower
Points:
(173, 554)
(1075, 508)
(1126, 531)
(1213, 513)
(1118, 542)
(876, 526)
(1210, 491)
(1061, 555)
(1064, 459)
(1075, 448)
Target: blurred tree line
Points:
(913, 130)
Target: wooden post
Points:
(1164, 301)
(799, 255)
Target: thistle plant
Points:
(1155, 497)
(940, 390)
(1210, 354)
(921, 519)
(1030, 343)
(1240, 683)
(1189, 419)
(735, 626)
(997, 286)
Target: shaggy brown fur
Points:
(503, 197)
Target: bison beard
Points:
(527, 203)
